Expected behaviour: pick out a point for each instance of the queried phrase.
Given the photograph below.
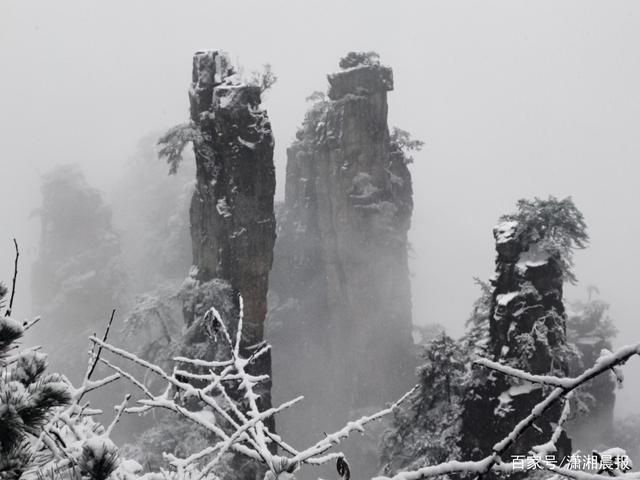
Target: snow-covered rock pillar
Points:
(527, 330)
(232, 217)
(340, 287)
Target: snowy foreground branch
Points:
(564, 387)
(70, 440)
(45, 430)
(216, 384)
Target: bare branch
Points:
(119, 412)
(104, 339)
(514, 372)
(358, 425)
(13, 283)
(493, 461)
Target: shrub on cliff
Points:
(402, 142)
(358, 59)
(555, 226)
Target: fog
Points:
(513, 99)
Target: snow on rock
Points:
(504, 299)
(527, 328)
(504, 405)
(223, 208)
(235, 178)
(247, 144)
(534, 257)
(523, 389)
(348, 206)
(361, 80)
(505, 231)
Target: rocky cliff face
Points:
(341, 307)
(232, 217)
(527, 331)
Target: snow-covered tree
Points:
(426, 428)
(552, 227)
(220, 395)
(519, 321)
(45, 430)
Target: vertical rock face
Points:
(232, 217)
(341, 306)
(526, 331)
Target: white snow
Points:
(504, 298)
(522, 389)
(100, 445)
(206, 416)
(505, 231)
(130, 466)
(224, 101)
(249, 145)
(223, 208)
(534, 257)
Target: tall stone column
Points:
(232, 217)
(527, 330)
(340, 288)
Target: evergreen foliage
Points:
(555, 226)
(28, 397)
(358, 59)
(173, 142)
(264, 79)
(426, 427)
(403, 142)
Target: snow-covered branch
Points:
(564, 387)
(522, 375)
(217, 385)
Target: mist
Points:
(513, 99)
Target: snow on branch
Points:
(217, 384)
(70, 439)
(522, 375)
(56, 432)
(44, 430)
(564, 387)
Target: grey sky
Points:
(514, 99)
